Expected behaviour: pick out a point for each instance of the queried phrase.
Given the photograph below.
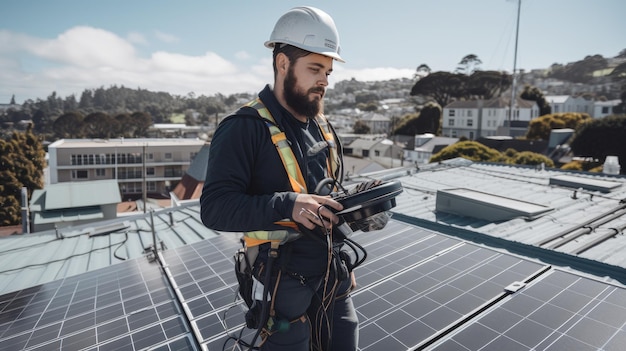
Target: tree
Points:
(427, 121)
(468, 65)
(540, 128)
(534, 94)
(531, 158)
(600, 138)
(125, 127)
(422, 71)
(487, 84)
(100, 125)
(470, 150)
(140, 121)
(69, 125)
(440, 86)
(22, 161)
(361, 127)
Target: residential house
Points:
(71, 203)
(380, 150)
(567, 103)
(479, 118)
(378, 124)
(426, 145)
(165, 162)
(604, 108)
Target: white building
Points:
(604, 108)
(567, 103)
(158, 162)
(481, 118)
(425, 146)
(379, 124)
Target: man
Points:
(252, 186)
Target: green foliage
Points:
(468, 65)
(531, 158)
(100, 125)
(540, 128)
(600, 138)
(361, 128)
(444, 86)
(69, 125)
(22, 161)
(470, 150)
(534, 94)
(428, 120)
(440, 86)
(478, 152)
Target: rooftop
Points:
(432, 280)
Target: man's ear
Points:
(282, 63)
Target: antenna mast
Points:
(513, 100)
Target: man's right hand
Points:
(313, 210)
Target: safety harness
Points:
(290, 163)
(265, 321)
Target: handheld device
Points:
(367, 202)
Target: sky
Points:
(204, 47)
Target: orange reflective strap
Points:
(334, 163)
(298, 184)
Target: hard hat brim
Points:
(270, 44)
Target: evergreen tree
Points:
(22, 160)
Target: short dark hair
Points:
(293, 53)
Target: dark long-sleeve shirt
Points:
(247, 187)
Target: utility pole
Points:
(513, 86)
(143, 175)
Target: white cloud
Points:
(165, 37)
(88, 58)
(242, 55)
(136, 38)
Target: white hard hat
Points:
(307, 28)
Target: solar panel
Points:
(417, 290)
(560, 311)
(125, 306)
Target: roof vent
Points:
(494, 208)
(604, 186)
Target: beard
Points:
(298, 101)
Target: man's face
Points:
(305, 83)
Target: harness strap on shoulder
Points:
(298, 184)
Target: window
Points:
(454, 133)
(150, 156)
(101, 172)
(470, 122)
(451, 122)
(376, 152)
(469, 113)
(605, 109)
(151, 186)
(150, 171)
(80, 174)
(168, 155)
(450, 113)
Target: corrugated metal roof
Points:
(72, 195)
(33, 259)
(587, 224)
(593, 220)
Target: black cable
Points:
(118, 247)
(265, 312)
